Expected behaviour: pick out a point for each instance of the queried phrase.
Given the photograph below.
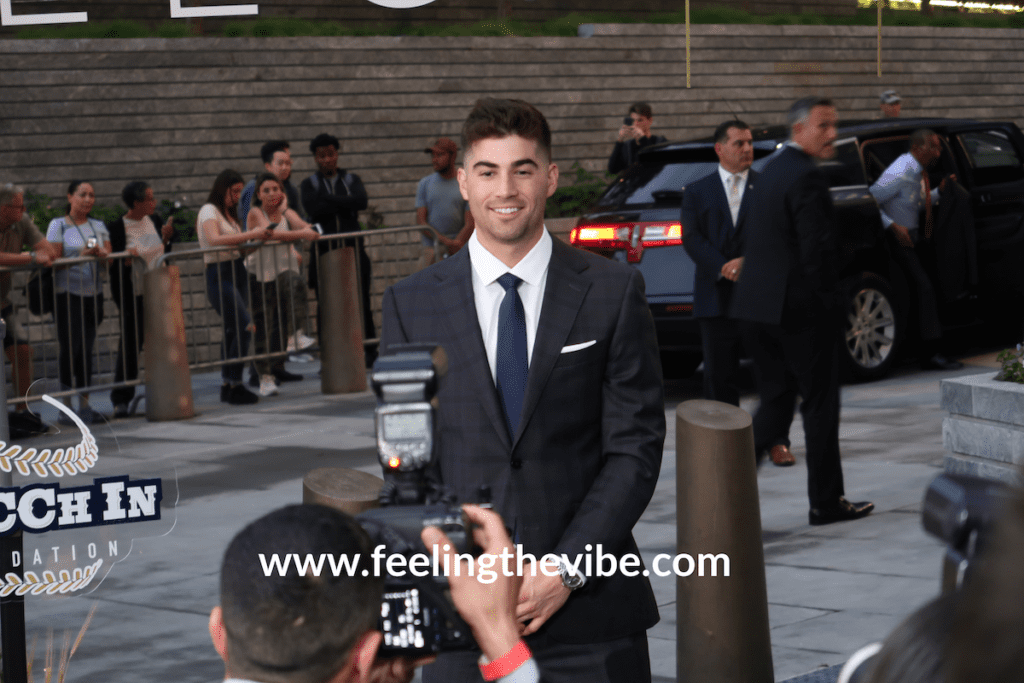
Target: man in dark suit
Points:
(553, 399)
(789, 291)
(713, 214)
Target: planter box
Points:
(984, 433)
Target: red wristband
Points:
(507, 663)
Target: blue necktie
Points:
(512, 359)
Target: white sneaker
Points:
(300, 342)
(268, 387)
(301, 358)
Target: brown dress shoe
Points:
(781, 456)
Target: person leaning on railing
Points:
(227, 285)
(140, 233)
(278, 293)
(16, 232)
(78, 309)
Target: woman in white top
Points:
(226, 280)
(138, 232)
(78, 308)
(279, 294)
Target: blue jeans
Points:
(227, 288)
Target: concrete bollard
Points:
(168, 380)
(350, 491)
(342, 361)
(722, 622)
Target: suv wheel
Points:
(873, 329)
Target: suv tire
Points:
(873, 329)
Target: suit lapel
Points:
(564, 292)
(456, 304)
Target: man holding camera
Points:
(634, 135)
(295, 626)
(553, 400)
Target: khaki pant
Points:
(431, 255)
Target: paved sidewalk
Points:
(831, 589)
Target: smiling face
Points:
(81, 200)
(507, 182)
(270, 194)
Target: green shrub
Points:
(1013, 365)
(577, 197)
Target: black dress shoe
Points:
(225, 392)
(940, 362)
(842, 511)
(240, 396)
(285, 376)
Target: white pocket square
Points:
(577, 347)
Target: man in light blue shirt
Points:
(904, 194)
(439, 204)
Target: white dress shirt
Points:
(488, 293)
(734, 204)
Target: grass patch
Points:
(564, 26)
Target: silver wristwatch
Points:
(571, 579)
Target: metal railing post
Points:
(343, 364)
(722, 621)
(168, 380)
(12, 607)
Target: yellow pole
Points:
(687, 43)
(879, 38)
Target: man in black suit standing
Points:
(789, 291)
(713, 214)
(553, 399)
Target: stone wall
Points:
(984, 433)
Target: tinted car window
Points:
(992, 156)
(844, 169)
(662, 177)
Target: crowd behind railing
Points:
(253, 301)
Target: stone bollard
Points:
(722, 622)
(168, 380)
(350, 491)
(342, 361)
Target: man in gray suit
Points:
(553, 399)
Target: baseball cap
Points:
(443, 145)
(890, 97)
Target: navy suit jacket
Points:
(711, 239)
(586, 458)
(790, 273)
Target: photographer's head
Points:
(299, 627)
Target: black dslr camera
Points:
(418, 617)
(961, 511)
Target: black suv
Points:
(636, 220)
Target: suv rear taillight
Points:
(633, 237)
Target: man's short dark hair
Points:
(268, 150)
(296, 628)
(722, 132)
(641, 109)
(134, 191)
(323, 140)
(494, 118)
(801, 109)
(921, 137)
